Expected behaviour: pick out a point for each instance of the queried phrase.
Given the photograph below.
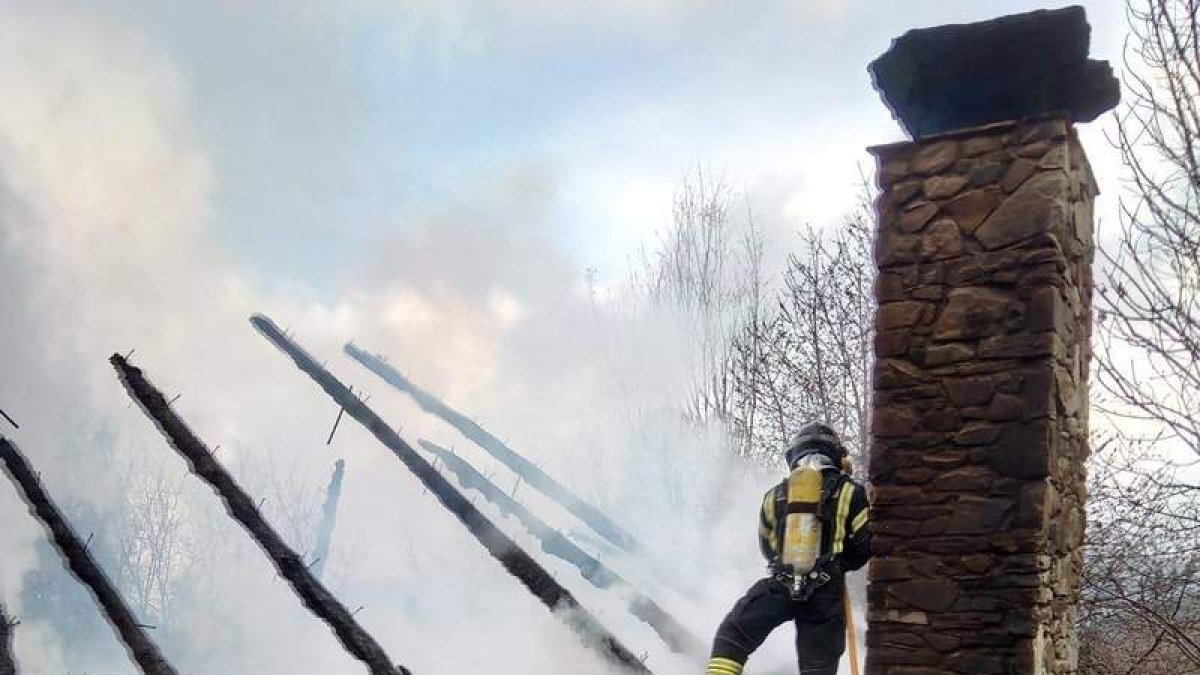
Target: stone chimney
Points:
(980, 427)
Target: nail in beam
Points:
(242, 508)
(518, 563)
(74, 552)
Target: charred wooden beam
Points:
(673, 633)
(540, 480)
(328, 519)
(8, 665)
(518, 563)
(242, 508)
(79, 561)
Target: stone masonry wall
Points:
(980, 412)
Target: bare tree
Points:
(810, 356)
(79, 560)
(8, 665)
(152, 550)
(1140, 613)
(769, 357)
(1149, 306)
(708, 269)
(1141, 610)
(292, 501)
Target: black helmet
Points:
(815, 437)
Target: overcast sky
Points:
(431, 179)
(326, 126)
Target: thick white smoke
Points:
(106, 248)
(108, 242)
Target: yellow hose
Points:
(851, 634)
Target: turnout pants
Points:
(820, 628)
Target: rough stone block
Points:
(973, 312)
(1017, 173)
(901, 314)
(977, 434)
(894, 248)
(979, 145)
(971, 209)
(967, 479)
(1020, 346)
(935, 157)
(942, 240)
(985, 174)
(1024, 451)
(970, 391)
(889, 569)
(941, 355)
(891, 373)
(979, 515)
(1040, 205)
(902, 193)
(1048, 311)
(941, 187)
(931, 595)
(893, 422)
(892, 342)
(915, 216)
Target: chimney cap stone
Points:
(939, 79)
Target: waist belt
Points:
(801, 587)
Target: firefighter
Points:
(813, 529)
